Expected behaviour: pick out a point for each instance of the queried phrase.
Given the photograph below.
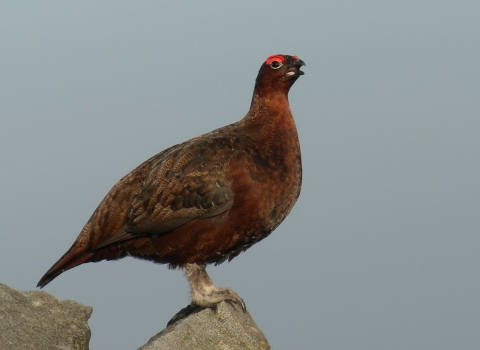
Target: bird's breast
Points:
(266, 179)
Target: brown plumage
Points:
(205, 200)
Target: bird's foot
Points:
(217, 295)
(204, 293)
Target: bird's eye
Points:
(275, 64)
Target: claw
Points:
(238, 301)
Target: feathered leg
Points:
(204, 293)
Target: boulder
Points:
(224, 327)
(38, 320)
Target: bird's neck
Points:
(270, 110)
(270, 126)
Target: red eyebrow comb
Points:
(272, 58)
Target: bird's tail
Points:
(66, 262)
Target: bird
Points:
(206, 200)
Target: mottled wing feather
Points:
(178, 189)
(120, 236)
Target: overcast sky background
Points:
(381, 250)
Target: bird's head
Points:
(278, 73)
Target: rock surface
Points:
(226, 328)
(38, 320)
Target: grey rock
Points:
(38, 320)
(226, 327)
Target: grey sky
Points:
(381, 250)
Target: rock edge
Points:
(38, 320)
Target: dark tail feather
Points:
(65, 263)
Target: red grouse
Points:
(205, 200)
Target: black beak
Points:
(300, 63)
(295, 67)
